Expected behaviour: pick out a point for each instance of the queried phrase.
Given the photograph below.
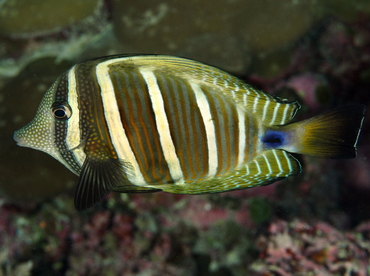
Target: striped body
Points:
(151, 123)
(168, 129)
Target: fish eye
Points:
(61, 111)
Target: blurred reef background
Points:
(318, 223)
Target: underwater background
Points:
(317, 223)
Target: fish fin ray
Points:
(330, 135)
(266, 168)
(97, 179)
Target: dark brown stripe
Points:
(253, 136)
(138, 119)
(232, 141)
(224, 117)
(92, 121)
(186, 126)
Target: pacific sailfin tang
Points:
(162, 123)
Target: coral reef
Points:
(120, 239)
(299, 248)
(19, 18)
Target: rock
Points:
(202, 30)
(223, 33)
(22, 18)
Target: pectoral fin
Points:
(97, 179)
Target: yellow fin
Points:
(268, 167)
(330, 135)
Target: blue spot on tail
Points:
(274, 139)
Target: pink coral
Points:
(298, 247)
(306, 86)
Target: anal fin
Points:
(264, 169)
(270, 166)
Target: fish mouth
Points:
(17, 137)
(22, 139)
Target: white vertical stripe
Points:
(261, 133)
(276, 109)
(210, 128)
(258, 167)
(163, 127)
(245, 100)
(73, 138)
(268, 165)
(255, 103)
(265, 110)
(242, 137)
(288, 161)
(283, 119)
(247, 170)
(278, 163)
(115, 127)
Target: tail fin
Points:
(330, 135)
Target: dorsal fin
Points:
(269, 109)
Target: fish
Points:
(149, 123)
